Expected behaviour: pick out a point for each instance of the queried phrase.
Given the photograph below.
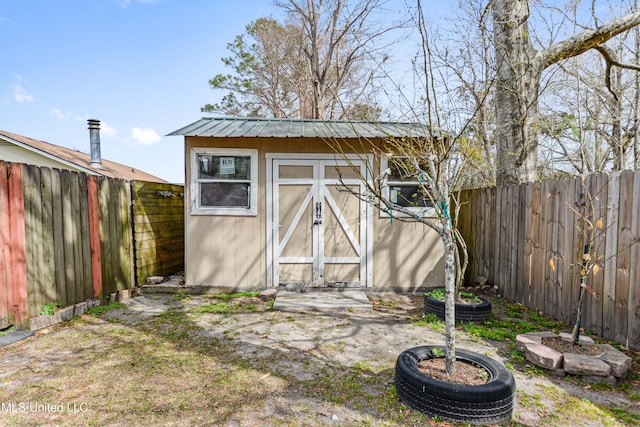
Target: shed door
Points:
(320, 228)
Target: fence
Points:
(158, 217)
(513, 232)
(66, 237)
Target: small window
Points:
(224, 181)
(403, 191)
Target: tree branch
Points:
(584, 41)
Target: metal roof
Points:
(252, 127)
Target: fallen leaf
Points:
(552, 265)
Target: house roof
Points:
(252, 127)
(77, 159)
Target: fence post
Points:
(94, 235)
(18, 247)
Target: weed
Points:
(101, 309)
(6, 331)
(499, 330)
(625, 416)
(388, 303)
(438, 294)
(437, 352)
(533, 370)
(48, 309)
(182, 297)
(226, 297)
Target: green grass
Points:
(227, 297)
(101, 309)
(500, 330)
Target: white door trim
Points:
(366, 212)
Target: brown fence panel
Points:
(513, 233)
(58, 265)
(158, 223)
(116, 246)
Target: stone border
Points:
(75, 310)
(609, 367)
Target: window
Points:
(403, 191)
(224, 181)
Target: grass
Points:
(182, 368)
(99, 310)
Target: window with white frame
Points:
(402, 190)
(224, 181)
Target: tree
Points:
(432, 161)
(268, 77)
(519, 71)
(322, 62)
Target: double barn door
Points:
(319, 226)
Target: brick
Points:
(268, 294)
(543, 356)
(66, 313)
(620, 363)
(124, 295)
(80, 308)
(580, 364)
(523, 340)
(582, 339)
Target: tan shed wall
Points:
(230, 251)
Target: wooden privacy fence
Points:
(158, 217)
(513, 232)
(66, 237)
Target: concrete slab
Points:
(332, 301)
(14, 337)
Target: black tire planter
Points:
(489, 403)
(476, 313)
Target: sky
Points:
(141, 67)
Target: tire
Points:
(489, 403)
(476, 313)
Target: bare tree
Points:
(323, 62)
(340, 46)
(519, 72)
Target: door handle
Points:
(318, 214)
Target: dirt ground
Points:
(185, 361)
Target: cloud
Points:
(146, 136)
(20, 95)
(107, 130)
(58, 114)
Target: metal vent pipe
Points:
(94, 138)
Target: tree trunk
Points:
(450, 294)
(517, 82)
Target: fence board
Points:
(611, 247)
(17, 247)
(623, 257)
(58, 238)
(633, 338)
(6, 297)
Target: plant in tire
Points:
(489, 403)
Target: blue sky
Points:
(140, 66)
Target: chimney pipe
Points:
(94, 138)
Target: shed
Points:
(266, 206)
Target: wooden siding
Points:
(158, 218)
(514, 231)
(230, 252)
